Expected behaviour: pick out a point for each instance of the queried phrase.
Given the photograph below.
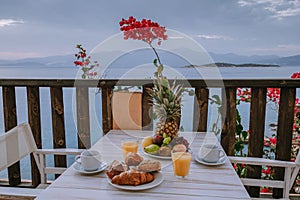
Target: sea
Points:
(141, 72)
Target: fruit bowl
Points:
(161, 146)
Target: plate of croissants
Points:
(135, 173)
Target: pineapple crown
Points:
(166, 98)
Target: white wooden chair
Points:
(18, 142)
(291, 172)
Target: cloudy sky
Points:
(37, 28)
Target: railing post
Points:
(83, 118)
(33, 98)
(10, 121)
(200, 109)
(58, 125)
(284, 132)
(229, 125)
(256, 138)
(147, 115)
(107, 117)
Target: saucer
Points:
(77, 167)
(221, 161)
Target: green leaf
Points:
(239, 129)
(238, 116)
(217, 99)
(155, 62)
(239, 145)
(243, 172)
(244, 134)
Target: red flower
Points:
(267, 171)
(78, 63)
(266, 142)
(273, 94)
(234, 166)
(92, 74)
(265, 190)
(144, 30)
(273, 140)
(295, 75)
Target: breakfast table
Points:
(218, 181)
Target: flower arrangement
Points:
(84, 61)
(166, 97)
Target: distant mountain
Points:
(239, 59)
(221, 64)
(50, 61)
(128, 60)
(286, 61)
(268, 60)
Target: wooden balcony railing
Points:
(257, 113)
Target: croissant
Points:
(133, 177)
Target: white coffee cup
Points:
(210, 153)
(90, 160)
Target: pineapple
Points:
(167, 106)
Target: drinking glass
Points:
(129, 145)
(181, 163)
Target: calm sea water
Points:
(139, 72)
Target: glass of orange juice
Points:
(129, 145)
(181, 163)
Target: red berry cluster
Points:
(273, 94)
(296, 75)
(244, 94)
(80, 55)
(145, 30)
(84, 62)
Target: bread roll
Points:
(133, 159)
(149, 166)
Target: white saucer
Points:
(77, 167)
(221, 161)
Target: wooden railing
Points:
(257, 114)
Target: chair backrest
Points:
(296, 170)
(127, 110)
(15, 144)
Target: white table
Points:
(203, 182)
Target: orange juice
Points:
(181, 163)
(129, 146)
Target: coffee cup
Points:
(210, 153)
(90, 160)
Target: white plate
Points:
(158, 180)
(77, 167)
(221, 161)
(158, 157)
